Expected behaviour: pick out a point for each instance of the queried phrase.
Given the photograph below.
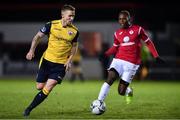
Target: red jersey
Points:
(127, 43)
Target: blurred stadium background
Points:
(96, 20)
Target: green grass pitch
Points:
(152, 100)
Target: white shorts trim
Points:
(125, 69)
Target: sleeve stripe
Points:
(139, 30)
(146, 40)
(115, 35)
(115, 45)
(76, 37)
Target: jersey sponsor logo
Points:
(147, 40)
(61, 38)
(57, 29)
(126, 39)
(127, 44)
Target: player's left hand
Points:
(160, 60)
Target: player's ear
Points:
(62, 14)
(129, 17)
(130, 20)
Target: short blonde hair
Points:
(67, 7)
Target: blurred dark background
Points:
(153, 13)
(160, 18)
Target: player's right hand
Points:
(30, 55)
(67, 65)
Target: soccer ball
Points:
(98, 107)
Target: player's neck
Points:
(127, 26)
(64, 23)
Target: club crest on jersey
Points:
(70, 32)
(126, 39)
(131, 32)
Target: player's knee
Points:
(112, 76)
(39, 87)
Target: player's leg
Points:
(122, 87)
(41, 96)
(42, 75)
(54, 73)
(126, 78)
(112, 76)
(40, 83)
(125, 90)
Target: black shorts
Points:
(50, 70)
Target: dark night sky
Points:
(156, 14)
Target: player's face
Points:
(68, 16)
(123, 20)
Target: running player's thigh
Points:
(42, 75)
(117, 65)
(112, 76)
(129, 70)
(57, 72)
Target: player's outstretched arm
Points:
(73, 52)
(154, 52)
(34, 44)
(101, 57)
(109, 52)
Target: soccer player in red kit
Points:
(126, 48)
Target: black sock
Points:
(39, 98)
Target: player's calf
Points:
(39, 98)
(122, 92)
(122, 87)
